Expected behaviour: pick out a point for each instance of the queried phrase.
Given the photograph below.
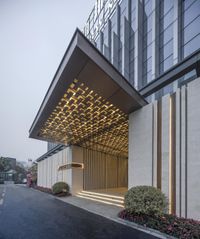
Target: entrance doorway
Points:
(104, 171)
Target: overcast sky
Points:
(34, 35)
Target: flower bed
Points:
(43, 189)
(49, 190)
(169, 224)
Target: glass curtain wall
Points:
(132, 42)
(115, 41)
(107, 41)
(118, 39)
(147, 44)
(191, 26)
(166, 20)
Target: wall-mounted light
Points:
(71, 165)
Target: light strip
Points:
(108, 199)
(97, 200)
(103, 194)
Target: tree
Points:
(33, 171)
(20, 172)
(4, 165)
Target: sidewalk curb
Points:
(133, 225)
(127, 223)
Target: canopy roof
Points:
(88, 102)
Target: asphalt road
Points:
(29, 214)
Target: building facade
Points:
(7, 171)
(144, 39)
(122, 109)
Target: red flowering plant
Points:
(43, 189)
(147, 206)
(166, 223)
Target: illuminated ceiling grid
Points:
(114, 141)
(83, 117)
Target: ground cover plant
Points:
(43, 189)
(169, 224)
(147, 206)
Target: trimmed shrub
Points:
(60, 188)
(146, 200)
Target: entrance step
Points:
(102, 197)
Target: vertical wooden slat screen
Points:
(103, 170)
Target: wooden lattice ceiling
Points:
(84, 118)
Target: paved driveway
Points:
(26, 213)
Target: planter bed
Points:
(49, 190)
(43, 189)
(168, 224)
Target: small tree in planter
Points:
(60, 189)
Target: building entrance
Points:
(104, 171)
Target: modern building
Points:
(7, 170)
(123, 106)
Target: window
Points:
(166, 35)
(192, 12)
(147, 65)
(166, 50)
(148, 24)
(147, 77)
(98, 43)
(114, 22)
(168, 5)
(187, 3)
(168, 18)
(192, 46)
(147, 52)
(148, 8)
(147, 41)
(192, 30)
(105, 34)
(166, 64)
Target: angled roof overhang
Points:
(87, 102)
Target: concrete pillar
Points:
(38, 174)
(140, 157)
(183, 152)
(77, 173)
(178, 152)
(69, 171)
(155, 140)
(193, 150)
(165, 146)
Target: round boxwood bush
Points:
(60, 188)
(145, 200)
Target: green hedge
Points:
(145, 200)
(60, 187)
